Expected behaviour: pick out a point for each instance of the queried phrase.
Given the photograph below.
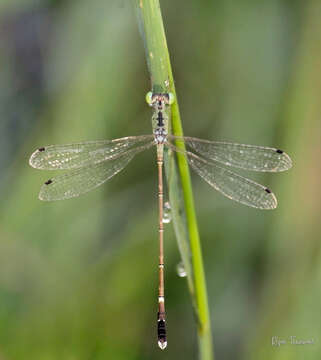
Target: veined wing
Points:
(249, 157)
(233, 186)
(77, 155)
(84, 179)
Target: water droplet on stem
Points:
(167, 216)
(181, 272)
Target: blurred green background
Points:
(78, 278)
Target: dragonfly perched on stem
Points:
(94, 162)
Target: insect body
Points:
(92, 163)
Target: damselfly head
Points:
(159, 99)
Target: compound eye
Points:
(171, 98)
(149, 98)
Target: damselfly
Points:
(94, 162)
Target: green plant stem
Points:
(152, 30)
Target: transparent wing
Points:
(249, 157)
(233, 186)
(73, 156)
(82, 180)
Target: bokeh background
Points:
(78, 278)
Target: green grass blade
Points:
(158, 60)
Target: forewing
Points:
(232, 185)
(82, 180)
(77, 155)
(248, 157)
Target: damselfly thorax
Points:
(160, 118)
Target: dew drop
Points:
(167, 216)
(181, 272)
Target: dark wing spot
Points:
(41, 149)
(48, 182)
(279, 151)
(268, 190)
